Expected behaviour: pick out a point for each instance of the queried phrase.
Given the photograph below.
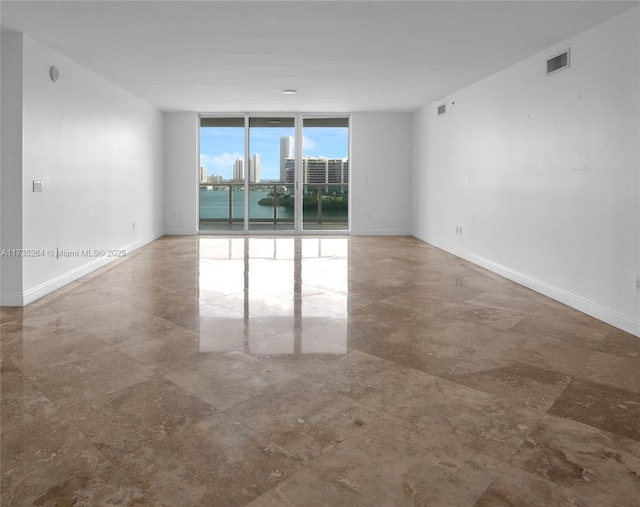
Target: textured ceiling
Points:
(341, 56)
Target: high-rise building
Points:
(338, 170)
(319, 170)
(238, 170)
(286, 152)
(203, 174)
(254, 168)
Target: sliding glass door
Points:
(324, 173)
(255, 177)
(221, 176)
(271, 158)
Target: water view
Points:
(214, 204)
(267, 168)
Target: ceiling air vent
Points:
(442, 109)
(558, 62)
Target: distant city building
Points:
(215, 178)
(203, 174)
(254, 168)
(319, 170)
(238, 170)
(286, 152)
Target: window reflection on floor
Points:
(274, 296)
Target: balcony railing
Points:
(323, 203)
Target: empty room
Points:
(320, 253)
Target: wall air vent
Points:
(442, 109)
(558, 62)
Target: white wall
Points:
(181, 173)
(11, 167)
(380, 166)
(98, 151)
(542, 173)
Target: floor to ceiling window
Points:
(271, 197)
(222, 154)
(325, 173)
(254, 177)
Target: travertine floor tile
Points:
(47, 461)
(34, 328)
(566, 326)
(80, 298)
(592, 462)
(417, 299)
(264, 325)
(491, 316)
(169, 348)
(479, 420)
(20, 401)
(406, 349)
(141, 414)
(246, 300)
(303, 417)
(335, 329)
(226, 380)
(434, 344)
(60, 348)
(11, 314)
(329, 301)
(453, 288)
(541, 351)
(613, 370)
(605, 407)
(530, 385)
(388, 463)
(448, 331)
(297, 351)
(509, 297)
(309, 371)
(214, 462)
(619, 343)
(100, 316)
(517, 488)
(89, 378)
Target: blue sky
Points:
(220, 146)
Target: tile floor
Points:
(337, 371)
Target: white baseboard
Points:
(34, 293)
(607, 315)
(581, 304)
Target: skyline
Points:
(221, 146)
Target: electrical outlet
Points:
(37, 185)
(638, 283)
(133, 224)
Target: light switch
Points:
(37, 185)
